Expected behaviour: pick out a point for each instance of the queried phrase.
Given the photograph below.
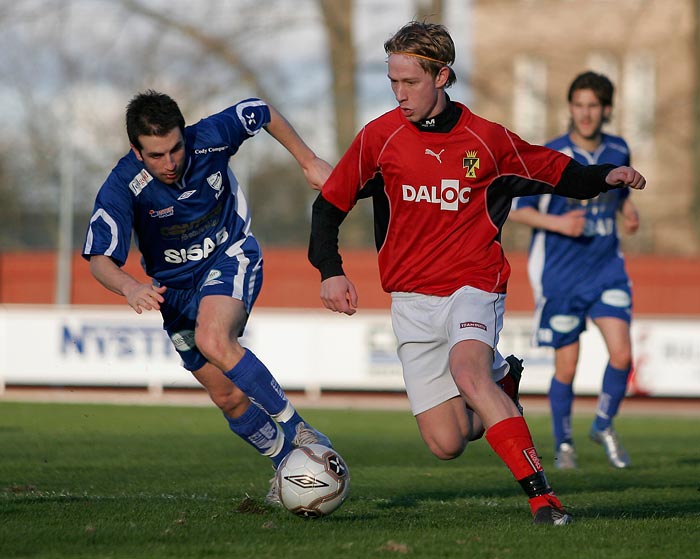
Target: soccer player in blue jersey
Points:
(175, 190)
(577, 271)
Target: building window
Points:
(606, 64)
(529, 99)
(639, 99)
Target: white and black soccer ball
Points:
(313, 481)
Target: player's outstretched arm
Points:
(140, 296)
(316, 170)
(571, 223)
(626, 176)
(587, 181)
(338, 294)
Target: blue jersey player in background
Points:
(577, 272)
(176, 192)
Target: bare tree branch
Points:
(216, 46)
(337, 16)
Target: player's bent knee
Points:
(231, 403)
(213, 347)
(446, 451)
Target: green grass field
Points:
(128, 482)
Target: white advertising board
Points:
(307, 350)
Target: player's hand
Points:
(627, 176)
(572, 223)
(338, 294)
(317, 172)
(145, 297)
(630, 217)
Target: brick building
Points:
(525, 54)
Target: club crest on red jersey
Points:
(471, 163)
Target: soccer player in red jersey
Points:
(442, 180)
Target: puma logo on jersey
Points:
(429, 151)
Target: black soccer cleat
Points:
(553, 516)
(511, 382)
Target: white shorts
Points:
(427, 327)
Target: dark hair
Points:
(152, 114)
(601, 86)
(430, 40)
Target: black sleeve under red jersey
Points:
(583, 181)
(323, 243)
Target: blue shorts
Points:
(234, 273)
(559, 321)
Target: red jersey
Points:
(447, 197)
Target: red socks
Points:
(512, 441)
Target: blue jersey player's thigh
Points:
(561, 321)
(179, 313)
(614, 301)
(236, 273)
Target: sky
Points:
(287, 47)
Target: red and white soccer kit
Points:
(448, 197)
(440, 201)
(441, 198)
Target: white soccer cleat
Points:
(565, 457)
(308, 435)
(608, 439)
(273, 495)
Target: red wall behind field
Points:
(661, 285)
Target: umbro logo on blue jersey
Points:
(250, 118)
(186, 195)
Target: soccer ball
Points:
(313, 481)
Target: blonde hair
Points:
(430, 43)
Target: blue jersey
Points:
(562, 265)
(182, 227)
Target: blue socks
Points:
(611, 396)
(262, 433)
(256, 381)
(561, 399)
